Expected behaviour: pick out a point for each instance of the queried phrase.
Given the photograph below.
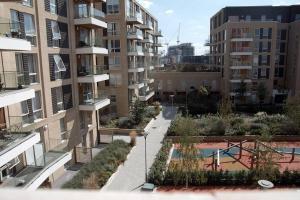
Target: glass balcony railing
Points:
(91, 42)
(11, 137)
(90, 98)
(26, 119)
(136, 16)
(138, 49)
(85, 11)
(10, 80)
(241, 49)
(135, 32)
(90, 71)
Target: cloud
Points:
(169, 12)
(283, 3)
(146, 3)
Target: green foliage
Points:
(262, 92)
(138, 111)
(225, 107)
(156, 173)
(292, 110)
(101, 167)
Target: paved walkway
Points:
(131, 176)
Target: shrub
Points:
(100, 168)
(157, 170)
(217, 128)
(126, 123)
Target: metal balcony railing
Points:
(86, 11)
(92, 70)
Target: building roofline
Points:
(145, 10)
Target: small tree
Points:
(186, 128)
(266, 166)
(292, 110)
(261, 92)
(225, 108)
(138, 111)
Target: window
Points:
(15, 23)
(263, 18)
(255, 60)
(24, 108)
(279, 18)
(29, 25)
(112, 6)
(37, 106)
(60, 66)
(27, 3)
(113, 28)
(279, 71)
(59, 98)
(56, 36)
(32, 67)
(248, 18)
(114, 45)
(53, 7)
(265, 33)
(113, 98)
(115, 80)
(63, 129)
(114, 60)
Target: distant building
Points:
(195, 60)
(176, 52)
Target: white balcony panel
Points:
(137, 86)
(17, 147)
(146, 98)
(14, 44)
(240, 80)
(241, 67)
(242, 40)
(96, 106)
(91, 21)
(48, 170)
(135, 53)
(241, 53)
(93, 78)
(15, 96)
(92, 50)
(136, 70)
(135, 37)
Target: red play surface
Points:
(243, 162)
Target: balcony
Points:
(135, 34)
(148, 52)
(241, 51)
(13, 144)
(95, 46)
(135, 68)
(157, 33)
(26, 120)
(12, 89)
(92, 74)
(238, 78)
(242, 37)
(241, 65)
(32, 176)
(89, 16)
(90, 101)
(135, 51)
(11, 38)
(147, 26)
(135, 84)
(135, 18)
(148, 39)
(146, 95)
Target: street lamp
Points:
(172, 100)
(145, 136)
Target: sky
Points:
(194, 17)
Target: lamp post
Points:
(145, 136)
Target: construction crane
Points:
(178, 36)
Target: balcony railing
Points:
(10, 80)
(137, 16)
(90, 71)
(135, 32)
(241, 63)
(93, 42)
(11, 137)
(241, 76)
(241, 35)
(138, 49)
(85, 11)
(90, 98)
(241, 49)
(135, 65)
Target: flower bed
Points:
(95, 174)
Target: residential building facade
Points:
(176, 52)
(64, 69)
(256, 49)
(133, 42)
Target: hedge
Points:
(103, 165)
(226, 178)
(159, 167)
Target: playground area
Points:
(241, 156)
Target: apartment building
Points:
(176, 52)
(133, 42)
(54, 74)
(257, 47)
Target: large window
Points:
(112, 6)
(29, 27)
(59, 66)
(113, 29)
(27, 3)
(27, 71)
(37, 106)
(56, 36)
(114, 45)
(53, 6)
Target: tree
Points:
(265, 165)
(261, 92)
(225, 108)
(186, 128)
(292, 110)
(138, 111)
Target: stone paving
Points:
(131, 175)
